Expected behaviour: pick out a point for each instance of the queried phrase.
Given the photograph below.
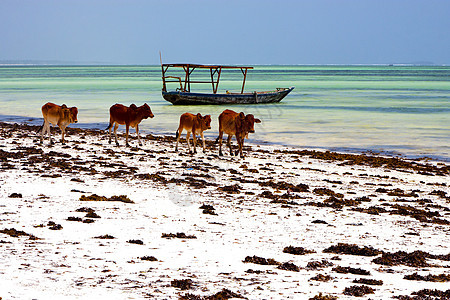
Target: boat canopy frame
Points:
(215, 71)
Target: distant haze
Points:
(225, 32)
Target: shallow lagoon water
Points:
(402, 110)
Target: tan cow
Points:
(195, 124)
(128, 116)
(57, 115)
(238, 124)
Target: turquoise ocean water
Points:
(390, 109)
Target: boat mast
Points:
(163, 73)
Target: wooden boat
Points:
(184, 96)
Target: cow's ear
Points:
(241, 115)
(63, 106)
(133, 106)
(199, 115)
(257, 121)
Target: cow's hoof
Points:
(117, 144)
(220, 153)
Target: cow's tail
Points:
(109, 126)
(177, 134)
(40, 128)
(217, 140)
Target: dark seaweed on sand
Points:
(345, 270)
(343, 248)
(358, 290)
(426, 294)
(105, 237)
(431, 278)
(149, 258)
(373, 161)
(222, 295)
(321, 277)
(182, 284)
(297, 250)
(288, 266)
(323, 297)
(179, 235)
(315, 264)
(95, 197)
(260, 260)
(17, 233)
(368, 281)
(413, 259)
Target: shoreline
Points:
(240, 211)
(33, 121)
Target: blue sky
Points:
(226, 32)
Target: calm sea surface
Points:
(391, 109)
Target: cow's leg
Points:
(110, 127)
(178, 134)
(63, 131)
(137, 132)
(219, 138)
(116, 125)
(188, 136)
(42, 132)
(49, 133)
(195, 141)
(241, 145)
(127, 129)
(203, 138)
(229, 143)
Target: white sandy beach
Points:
(274, 198)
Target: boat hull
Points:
(184, 98)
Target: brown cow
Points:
(128, 116)
(57, 115)
(195, 124)
(238, 124)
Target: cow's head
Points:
(204, 121)
(248, 122)
(74, 114)
(146, 111)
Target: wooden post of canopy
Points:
(212, 76)
(245, 76)
(186, 77)
(218, 78)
